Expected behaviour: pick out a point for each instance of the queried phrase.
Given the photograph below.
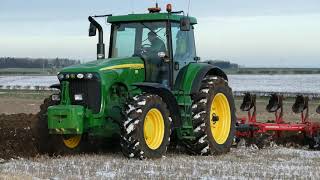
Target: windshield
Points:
(129, 39)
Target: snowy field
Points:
(276, 83)
(26, 82)
(265, 83)
(240, 163)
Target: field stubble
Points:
(240, 163)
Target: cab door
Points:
(183, 48)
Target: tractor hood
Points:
(107, 64)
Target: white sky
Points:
(273, 33)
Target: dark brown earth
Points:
(16, 137)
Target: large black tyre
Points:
(52, 144)
(136, 140)
(213, 124)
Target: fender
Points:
(190, 77)
(206, 70)
(167, 96)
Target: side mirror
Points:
(92, 30)
(185, 24)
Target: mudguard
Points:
(167, 96)
(190, 77)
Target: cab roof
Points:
(148, 17)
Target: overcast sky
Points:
(277, 33)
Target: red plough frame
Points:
(248, 127)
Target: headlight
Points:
(67, 76)
(78, 97)
(55, 97)
(80, 76)
(89, 76)
(60, 76)
(73, 76)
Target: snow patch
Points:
(136, 98)
(142, 103)
(137, 144)
(213, 78)
(204, 101)
(205, 150)
(197, 116)
(127, 122)
(201, 140)
(131, 108)
(205, 90)
(106, 174)
(199, 128)
(130, 128)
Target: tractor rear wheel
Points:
(54, 144)
(145, 133)
(213, 113)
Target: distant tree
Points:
(9, 62)
(222, 64)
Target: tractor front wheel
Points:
(146, 130)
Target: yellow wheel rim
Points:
(220, 129)
(153, 129)
(72, 142)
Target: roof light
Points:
(154, 9)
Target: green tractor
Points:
(151, 92)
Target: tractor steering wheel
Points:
(145, 48)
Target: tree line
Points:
(223, 64)
(11, 62)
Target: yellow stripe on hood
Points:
(124, 66)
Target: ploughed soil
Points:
(18, 140)
(16, 137)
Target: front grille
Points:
(91, 93)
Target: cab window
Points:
(183, 45)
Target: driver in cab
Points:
(157, 69)
(157, 45)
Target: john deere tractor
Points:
(151, 91)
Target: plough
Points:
(252, 128)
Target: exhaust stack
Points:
(94, 25)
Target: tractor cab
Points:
(165, 42)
